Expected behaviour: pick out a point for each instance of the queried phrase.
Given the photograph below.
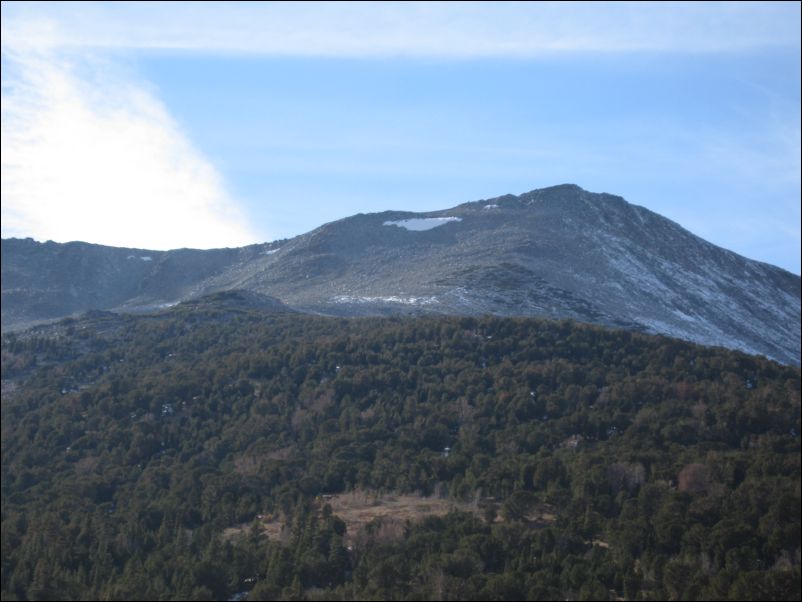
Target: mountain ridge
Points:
(557, 252)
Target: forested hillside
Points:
(149, 457)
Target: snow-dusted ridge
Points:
(389, 299)
(559, 252)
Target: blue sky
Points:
(162, 125)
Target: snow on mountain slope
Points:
(558, 252)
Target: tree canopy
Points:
(130, 444)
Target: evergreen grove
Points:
(130, 444)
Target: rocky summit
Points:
(558, 252)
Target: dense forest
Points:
(143, 456)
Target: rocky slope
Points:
(558, 252)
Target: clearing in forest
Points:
(359, 508)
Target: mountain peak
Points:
(556, 252)
(567, 188)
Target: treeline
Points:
(130, 444)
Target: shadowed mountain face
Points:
(559, 252)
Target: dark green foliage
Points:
(130, 445)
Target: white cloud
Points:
(96, 157)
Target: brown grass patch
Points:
(360, 508)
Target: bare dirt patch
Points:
(360, 508)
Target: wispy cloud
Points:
(441, 29)
(88, 154)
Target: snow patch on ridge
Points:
(390, 299)
(418, 224)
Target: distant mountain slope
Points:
(558, 252)
(42, 281)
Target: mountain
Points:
(558, 252)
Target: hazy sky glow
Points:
(161, 125)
